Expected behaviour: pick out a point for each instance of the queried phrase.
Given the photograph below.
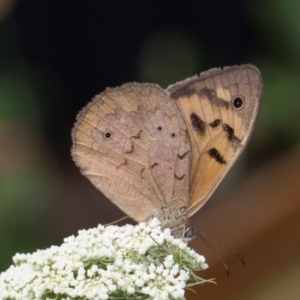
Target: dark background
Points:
(55, 55)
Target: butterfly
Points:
(162, 153)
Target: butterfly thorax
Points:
(175, 219)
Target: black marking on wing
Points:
(129, 148)
(183, 155)
(230, 135)
(214, 99)
(216, 155)
(198, 125)
(215, 123)
(179, 177)
(124, 163)
(154, 165)
(137, 136)
(184, 92)
(142, 172)
(208, 93)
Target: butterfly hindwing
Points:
(132, 143)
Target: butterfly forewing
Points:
(220, 108)
(132, 143)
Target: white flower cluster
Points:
(129, 262)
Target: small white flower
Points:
(159, 269)
(130, 289)
(104, 263)
(154, 223)
(139, 282)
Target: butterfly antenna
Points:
(216, 254)
(117, 221)
(201, 234)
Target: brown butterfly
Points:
(162, 153)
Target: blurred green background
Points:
(55, 55)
